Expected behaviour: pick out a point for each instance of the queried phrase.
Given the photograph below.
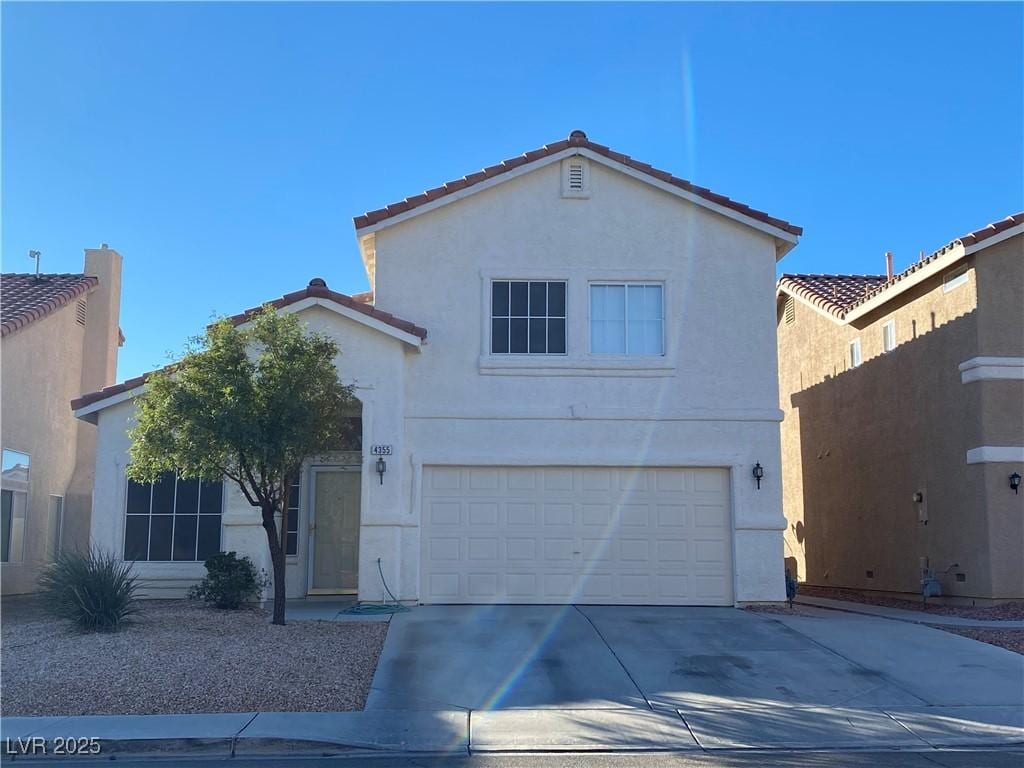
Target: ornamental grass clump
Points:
(95, 590)
(230, 581)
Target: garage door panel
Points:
(444, 513)
(520, 513)
(672, 516)
(562, 534)
(558, 514)
(483, 513)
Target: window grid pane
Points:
(521, 317)
(172, 519)
(292, 524)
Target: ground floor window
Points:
(13, 505)
(173, 519)
(292, 523)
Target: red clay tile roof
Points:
(366, 297)
(322, 291)
(576, 139)
(25, 298)
(971, 238)
(833, 293)
(838, 294)
(316, 289)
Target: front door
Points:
(334, 531)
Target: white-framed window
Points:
(14, 485)
(627, 318)
(54, 527)
(173, 519)
(889, 336)
(855, 358)
(528, 317)
(954, 278)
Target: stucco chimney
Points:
(888, 265)
(103, 312)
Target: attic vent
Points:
(80, 312)
(790, 311)
(575, 177)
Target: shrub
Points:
(230, 580)
(94, 590)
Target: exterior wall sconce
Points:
(1015, 482)
(758, 474)
(382, 467)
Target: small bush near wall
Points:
(230, 580)
(94, 590)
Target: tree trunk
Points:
(277, 560)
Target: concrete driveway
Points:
(731, 678)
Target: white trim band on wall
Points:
(984, 368)
(991, 454)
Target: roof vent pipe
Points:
(888, 265)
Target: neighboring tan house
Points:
(572, 413)
(60, 337)
(904, 403)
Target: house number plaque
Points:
(380, 450)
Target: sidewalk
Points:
(899, 614)
(762, 727)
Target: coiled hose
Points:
(367, 609)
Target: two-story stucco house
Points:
(904, 428)
(570, 409)
(60, 336)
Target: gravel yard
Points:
(1011, 611)
(1010, 639)
(180, 656)
(784, 610)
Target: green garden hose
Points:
(368, 609)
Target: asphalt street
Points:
(748, 759)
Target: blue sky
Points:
(224, 148)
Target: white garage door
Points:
(576, 535)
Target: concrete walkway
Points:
(900, 614)
(519, 730)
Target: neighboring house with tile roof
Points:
(60, 337)
(566, 373)
(904, 420)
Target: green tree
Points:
(247, 404)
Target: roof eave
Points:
(785, 240)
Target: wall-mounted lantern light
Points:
(382, 467)
(1015, 482)
(758, 474)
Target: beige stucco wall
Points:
(43, 366)
(858, 443)
(36, 419)
(712, 400)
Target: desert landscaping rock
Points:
(1010, 639)
(1008, 611)
(181, 657)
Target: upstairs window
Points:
(627, 319)
(889, 336)
(528, 317)
(954, 278)
(172, 519)
(855, 359)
